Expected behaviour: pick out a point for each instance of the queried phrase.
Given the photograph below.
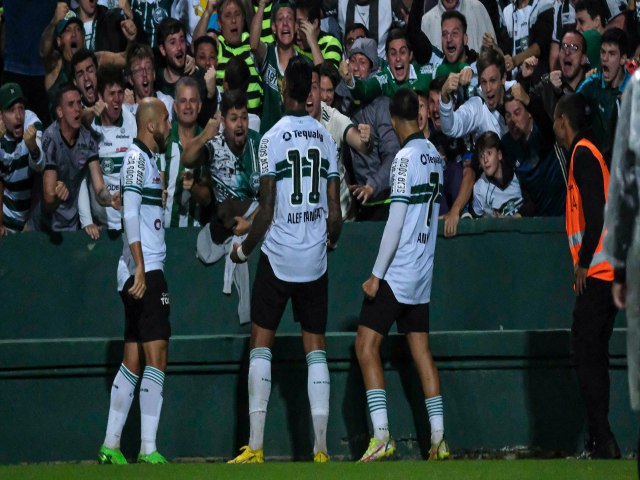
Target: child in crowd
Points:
(497, 192)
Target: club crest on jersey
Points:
(157, 224)
(255, 181)
(106, 165)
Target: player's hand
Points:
(451, 220)
(370, 287)
(210, 82)
(466, 74)
(213, 126)
(619, 292)
(129, 97)
(129, 29)
(488, 41)
(93, 231)
(139, 284)
(98, 108)
(165, 196)
(345, 73)
(555, 78)
(29, 138)
(234, 253)
(116, 200)
(62, 193)
(580, 279)
(528, 66)
(517, 91)
(509, 64)
(241, 226)
(365, 134)
(361, 192)
(3, 231)
(189, 65)
(61, 11)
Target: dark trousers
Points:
(593, 318)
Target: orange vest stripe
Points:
(575, 223)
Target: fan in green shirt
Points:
(400, 72)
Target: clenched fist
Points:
(29, 138)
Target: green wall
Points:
(501, 308)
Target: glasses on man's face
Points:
(353, 39)
(138, 72)
(569, 47)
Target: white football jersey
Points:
(114, 143)
(416, 179)
(140, 175)
(300, 153)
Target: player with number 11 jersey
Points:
(301, 155)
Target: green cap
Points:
(10, 93)
(68, 19)
(593, 39)
(278, 5)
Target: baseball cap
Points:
(68, 19)
(367, 47)
(10, 93)
(278, 5)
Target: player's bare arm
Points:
(262, 220)
(139, 283)
(334, 219)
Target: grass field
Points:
(404, 470)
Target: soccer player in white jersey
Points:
(399, 287)
(143, 288)
(300, 214)
(116, 128)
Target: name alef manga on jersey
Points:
(308, 216)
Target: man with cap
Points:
(272, 58)
(20, 157)
(63, 37)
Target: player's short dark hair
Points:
(573, 31)
(137, 51)
(312, 7)
(396, 33)
(576, 109)
(233, 99)
(298, 79)
(594, 8)
(236, 74)
(488, 57)
(454, 14)
(437, 84)
(190, 82)
(329, 70)
(109, 75)
(616, 36)
(61, 90)
(80, 56)
(169, 26)
(404, 105)
(202, 40)
(486, 141)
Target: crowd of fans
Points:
(488, 74)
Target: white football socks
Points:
(259, 392)
(435, 410)
(377, 401)
(122, 392)
(150, 407)
(318, 389)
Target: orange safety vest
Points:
(600, 267)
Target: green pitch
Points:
(451, 470)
